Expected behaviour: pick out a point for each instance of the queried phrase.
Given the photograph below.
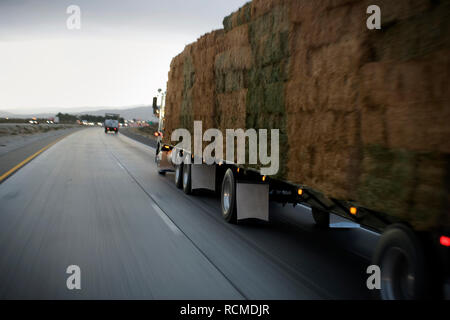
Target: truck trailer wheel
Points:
(179, 176)
(400, 256)
(321, 218)
(187, 179)
(228, 197)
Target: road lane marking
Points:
(166, 220)
(24, 162)
(292, 272)
(172, 226)
(120, 165)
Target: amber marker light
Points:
(353, 211)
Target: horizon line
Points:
(86, 109)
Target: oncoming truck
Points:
(112, 123)
(362, 118)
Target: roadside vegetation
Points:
(70, 118)
(148, 131)
(26, 129)
(13, 120)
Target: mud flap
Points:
(164, 161)
(203, 177)
(252, 201)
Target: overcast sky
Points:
(119, 57)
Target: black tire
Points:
(179, 176)
(106, 131)
(401, 258)
(228, 197)
(187, 179)
(321, 218)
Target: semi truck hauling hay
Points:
(363, 118)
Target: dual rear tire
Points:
(404, 268)
(183, 180)
(179, 176)
(228, 197)
(399, 253)
(187, 179)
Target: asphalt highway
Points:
(95, 200)
(15, 149)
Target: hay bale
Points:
(240, 17)
(363, 115)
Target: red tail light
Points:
(445, 241)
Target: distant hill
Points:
(141, 113)
(4, 114)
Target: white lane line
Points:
(166, 219)
(120, 165)
(158, 210)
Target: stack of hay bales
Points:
(363, 114)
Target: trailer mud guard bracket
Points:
(252, 201)
(203, 176)
(337, 222)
